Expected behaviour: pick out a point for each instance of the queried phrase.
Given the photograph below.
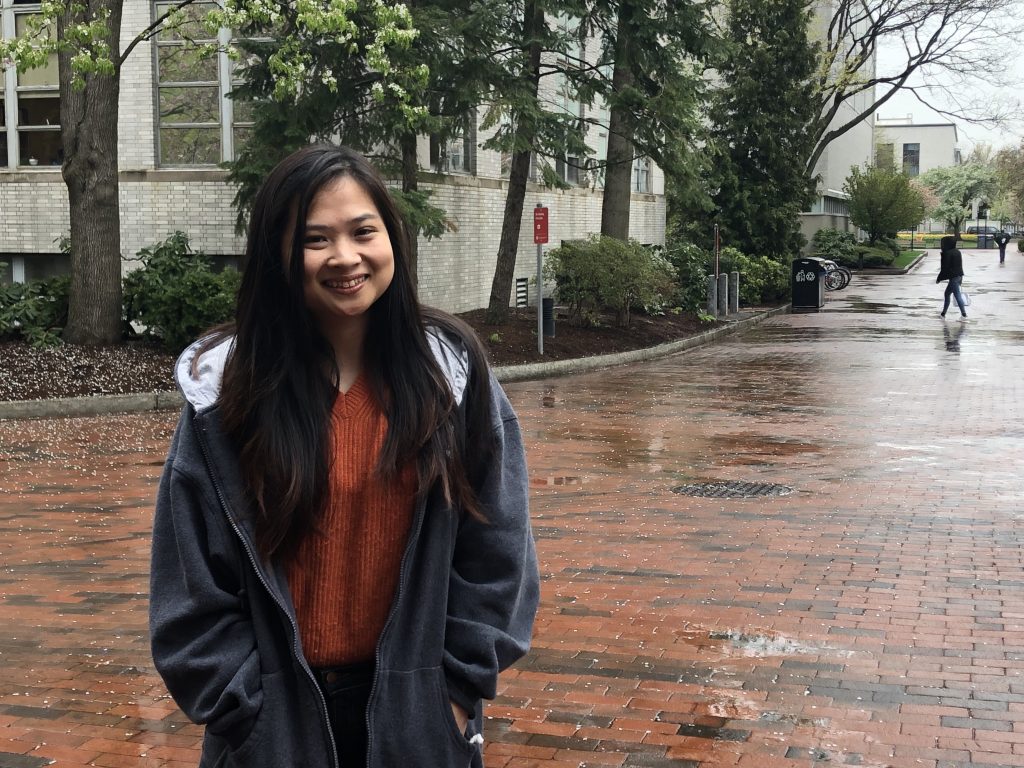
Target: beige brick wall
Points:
(455, 271)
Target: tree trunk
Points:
(526, 130)
(618, 177)
(410, 183)
(88, 122)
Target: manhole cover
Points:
(733, 490)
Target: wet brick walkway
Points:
(871, 617)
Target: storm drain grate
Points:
(733, 490)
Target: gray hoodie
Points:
(224, 633)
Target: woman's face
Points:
(347, 255)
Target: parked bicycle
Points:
(837, 276)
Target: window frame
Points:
(11, 130)
(912, 159)
(643, 182)
(227, 126)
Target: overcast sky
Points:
(978, 92)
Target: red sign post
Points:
(540, 225)
(540, 236)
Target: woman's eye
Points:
(365, 232)
(314, 239)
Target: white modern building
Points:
(176, 124)
(916, 148)
(854, 148)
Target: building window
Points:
(457, 154)
(912, 159)
(642, 174)
(836, 206)
(569, 169)
(198, 121)
(29, 101)
(885, 155)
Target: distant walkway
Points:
(872, 616)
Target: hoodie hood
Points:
(202, 388)
(948, 243)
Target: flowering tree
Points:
(957, 186)
(85, 37)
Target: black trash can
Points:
(808, 284)
(985, 240)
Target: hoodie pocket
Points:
(413, 725)
(269, 742)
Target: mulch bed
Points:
(71, 371)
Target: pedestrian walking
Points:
(951, 268)
(1002, 239)
(342, 557)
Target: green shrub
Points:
(35, 311)
(691, 265)
(175, 294)
(605, 274)
(890, 244)
(763, 280)
(836, 245)
(869, 257)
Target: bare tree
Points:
(951, 38)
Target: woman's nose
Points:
(343, 252)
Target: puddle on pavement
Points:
(764, 645)
(735, 643)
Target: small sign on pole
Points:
(540, 224)
(540, 236)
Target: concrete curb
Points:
(160, 401)
(583, 364)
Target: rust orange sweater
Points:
(344, 575)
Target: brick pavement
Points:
(871, 617)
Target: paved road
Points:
(872, 616)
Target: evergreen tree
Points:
(760, 117)
(530, 129)
(656, 50)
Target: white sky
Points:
(979, 91)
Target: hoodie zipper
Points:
(414, 535)
(266, 585)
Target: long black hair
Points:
(281, 378)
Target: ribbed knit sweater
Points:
(344, 575)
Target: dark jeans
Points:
(347, 690)
(953, 289)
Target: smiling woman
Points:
(342, 558)
(348, 265)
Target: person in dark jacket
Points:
(1002, 239)
(342, 559)
(951, 268)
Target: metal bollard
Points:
(712, 306)
(734, 292)
(723, 295)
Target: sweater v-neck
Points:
(357, 400)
